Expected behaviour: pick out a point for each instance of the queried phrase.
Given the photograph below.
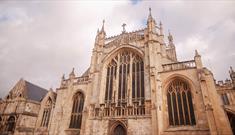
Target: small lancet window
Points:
(46, 113)
(76, 115)
(180, 106)
(11, 124)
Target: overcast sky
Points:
(41, 40)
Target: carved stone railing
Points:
(75, 81)
(227, 83)
(179, 65)
(120, 111)
(83, 79)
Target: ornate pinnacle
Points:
(170, 37)
(196, 53)
(72, 74)
(102, 29)
(63, 78)
(161, 29)
(123, 28)
(231, 70)
(150, 14)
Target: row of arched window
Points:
(127, 69)
(76, 114)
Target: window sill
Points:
(72, 131)
(185, 128)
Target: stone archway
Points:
(119, 130)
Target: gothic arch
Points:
(114, 52)
(179, 101)
(169, 79)
(78, 91)
(124, 82)
(77, 110)
(47, 112)
(118, 124)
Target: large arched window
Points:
(11, 124)
(125, 72)
(76, 116)
(46, 113)
(180, 106)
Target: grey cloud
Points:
(42, 40)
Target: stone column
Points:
(153, 101)
(217, 119)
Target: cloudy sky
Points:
(41, 40)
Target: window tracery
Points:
(46, 113)
(126, 70)
(180, 106)
(76, 116)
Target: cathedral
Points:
(135, 85)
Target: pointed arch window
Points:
(125, 72)
(46, 113)
(76, 116)
(11, 124)
(180, 106)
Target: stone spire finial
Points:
(170, 37)
(232, 76)
(161, 29)
(151, 25)
(198, 60)
(231, 70)
(150, 13)
(102, 29)
(123, 28)
(62, 81)
(63, 78)
(72, 74)
(196, 53)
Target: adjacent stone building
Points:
(134, 86)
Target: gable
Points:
(27, 90)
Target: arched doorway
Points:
(119, 130)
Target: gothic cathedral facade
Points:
(134, 86)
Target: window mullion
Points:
(189, 113)
(177, 107)
(183, 107)
(109, 85)
(172, 107)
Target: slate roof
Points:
(34, 92)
